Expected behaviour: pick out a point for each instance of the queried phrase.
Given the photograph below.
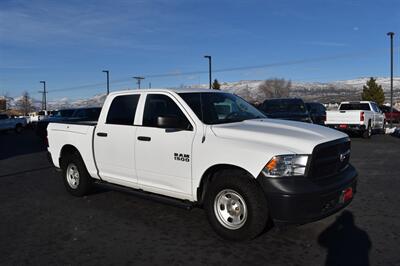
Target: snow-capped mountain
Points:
(325, 92)
(314, 91)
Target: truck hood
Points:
(296, 137)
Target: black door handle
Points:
(101, 134)
(143, 138)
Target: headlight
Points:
(286, 165)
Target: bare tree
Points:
(8, 99)
(24, 104)
(275, 88)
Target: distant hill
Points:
(335, 91)
(315, 91)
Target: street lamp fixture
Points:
(391, 77)
(209, 69)
(138, 80)
(44, 100)
(108, 80)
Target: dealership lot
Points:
(42, 224)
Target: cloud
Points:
(323, 43)
(48, 23)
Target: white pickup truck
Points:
(7, 123)
(181, 146)
(363, 117)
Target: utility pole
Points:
(108, 80)
(44, 92)
(209, 69)
(149, 85)
(138, 80)
(391, 77)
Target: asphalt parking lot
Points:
(43, 225)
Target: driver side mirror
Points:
(172, 122)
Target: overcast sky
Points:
(68, 43)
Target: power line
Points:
(269, 65)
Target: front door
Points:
(164, 156)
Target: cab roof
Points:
(175, 90)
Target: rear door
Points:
(164, 156)
(114, 141)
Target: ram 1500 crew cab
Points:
(211, 149)
(363, 117)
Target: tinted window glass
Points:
(316, 108)
(122, 110)
(64, 113)
(385, 108)
(160, 105)
(354, 106)
(93, 113)
(3, 116)
(284, 106)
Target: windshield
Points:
(284, 106)
(218, 108)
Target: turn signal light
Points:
(271, 165)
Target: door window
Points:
(122, 110)
(375, 108)
(161, 105)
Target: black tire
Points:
(18, 128)
(368, 132)
(245, 186)
(383, 130)
(84, 183)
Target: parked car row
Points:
(9, 123)
(363, 117)
(65, 115)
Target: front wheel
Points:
(236, 206)
(76, 179)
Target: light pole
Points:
(44, 103)
(391, 77)
(139, 79)
(209, 69)
(108, 80)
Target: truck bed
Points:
(75, 134)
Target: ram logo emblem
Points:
(181, 157)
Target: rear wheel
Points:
(76, 179)
(368, 132)
(236, 206)
(383, 130)
(18, 128)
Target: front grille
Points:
(329, 158)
